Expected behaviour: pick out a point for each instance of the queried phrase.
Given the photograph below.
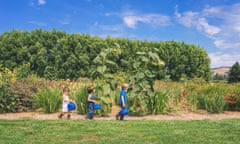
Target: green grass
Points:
(29, 131)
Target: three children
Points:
(91, 101)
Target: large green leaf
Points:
(136, 65)
(154, 56)
(111, 62)
(140, 53)
(149, 74)
(144, 59)
(101, 69)
(139, 75)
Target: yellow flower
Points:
(13, 80)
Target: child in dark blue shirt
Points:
(122, 100)
(91, 102)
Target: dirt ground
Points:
(199, 115)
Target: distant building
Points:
(221, 72)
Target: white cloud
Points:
(194, 19)
(64, 22)
(131, 20)
(209, 29)
(37, 23)
(187, 18)
(223, 59)
(219, 23)
(107, 30)
(229, 19)
(222, 44)
(41, 2)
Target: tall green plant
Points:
(104, 97)
(157, 102)
(81, 100)
(192, 101)
(214, 103)
(137, 104)
(49, 99)
(23, 72)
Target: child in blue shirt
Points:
(122, 100)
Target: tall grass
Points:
(48, 99)
(214, 103)
(157, 102)
(192, 101)
(81, 100)
(212, 97)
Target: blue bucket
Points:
(124, 111)
(97, 106)
(71, 106)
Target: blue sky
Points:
(211, 24)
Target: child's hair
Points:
(124, 86)
(90, 89)
(66, 89)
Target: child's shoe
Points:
(68, 116)
(117, 117)
(60, 116)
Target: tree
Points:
(234, 74)
(72, 55)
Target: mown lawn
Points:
(29, 131)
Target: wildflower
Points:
(13, 80)
(183, 93)
(226, 97)
(29, 77)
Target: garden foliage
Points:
(58, 55)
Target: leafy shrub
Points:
(23, 72)
(24, 91)
(50, 73)
(49, 99)
(157, 102)
(7, 100)
(231, 102)
(201, 101)
(137, 103)
(104, 97)
(214, 103)
(106, 103)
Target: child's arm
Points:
(123, 102)
(89, 99)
